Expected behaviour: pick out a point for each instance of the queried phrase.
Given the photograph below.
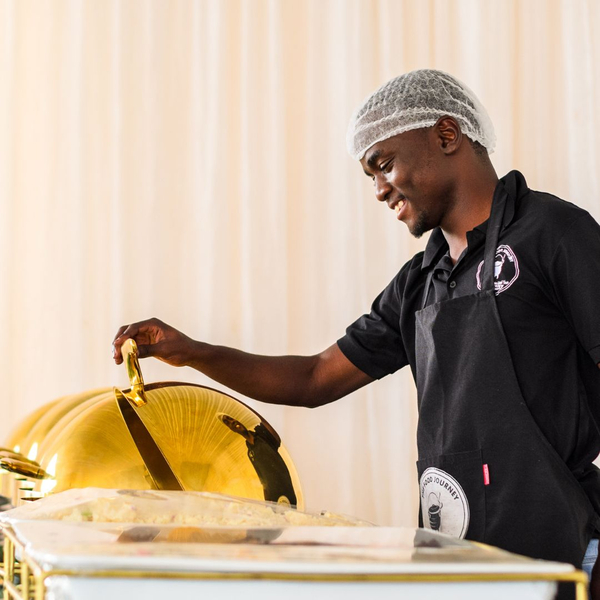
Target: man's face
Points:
(410, 174)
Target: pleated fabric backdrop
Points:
(187, 160)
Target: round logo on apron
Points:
(444, 504)
(506, 269)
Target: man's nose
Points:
(382, 189)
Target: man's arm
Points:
(309, 381)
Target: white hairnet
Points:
(416, 100)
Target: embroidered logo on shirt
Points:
(506, 269)
(444, 505)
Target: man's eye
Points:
(387, 167)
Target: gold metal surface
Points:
(15, 441)
(8, 454)
(26, 468)
(186, 437)
(158, 467)
(130, 357)
(47, 419)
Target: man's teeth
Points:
(399, 206)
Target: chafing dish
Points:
(168, 436)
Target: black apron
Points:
(486, 471)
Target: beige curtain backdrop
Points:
(187, 160)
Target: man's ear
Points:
(448, 133)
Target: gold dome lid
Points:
(32, 441)
(170, 436)
(19, 433)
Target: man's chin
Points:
(419, 228)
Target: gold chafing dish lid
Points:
(15, 441)
(170, 436)
(31, 443)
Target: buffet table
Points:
(59, 560)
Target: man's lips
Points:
(399, 208)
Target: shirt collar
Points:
(513, 184)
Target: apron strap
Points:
(492, 235)
(491, 243)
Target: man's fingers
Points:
(146, 350)
(129, 332)
(120, 332)
(147, 334)
(125, 332)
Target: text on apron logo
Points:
(506, 269)
(444, 504)
(441, 482)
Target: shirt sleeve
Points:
(575, 271)
(373, 343)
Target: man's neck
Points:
(472, 206)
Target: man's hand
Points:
(155, 338)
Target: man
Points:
(497, 320)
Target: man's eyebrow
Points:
(373, 158)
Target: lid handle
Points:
(24, 467)
(129, 351)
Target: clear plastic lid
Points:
(157, 507)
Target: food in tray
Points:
(157, 507)
(209, 512)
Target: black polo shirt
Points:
(547, 280)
